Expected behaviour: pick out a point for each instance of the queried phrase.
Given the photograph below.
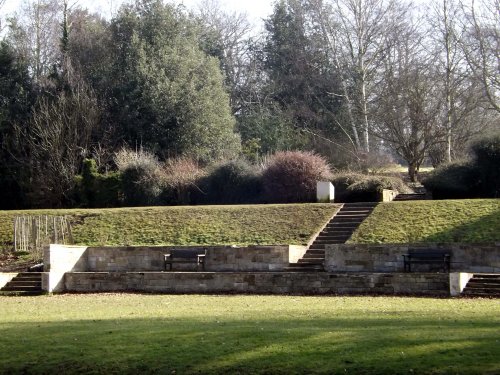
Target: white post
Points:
(325, 192)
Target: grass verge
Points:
(464, 221)
(197, 225)
(125, 334)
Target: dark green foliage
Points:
(357, 187)
(96, 190)
(168, 93)
(140, 188)
(16, 100)
(291, 176)
(487, 160)
(479, 177)
(453, 181)
(232, 182)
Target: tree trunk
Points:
(413, 171)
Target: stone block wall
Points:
(60, 258)
(260, 283)
(477, 258)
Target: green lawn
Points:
(196, 225)
(466, 221)
(123, 333)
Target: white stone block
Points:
(325, 191)
(458, 281)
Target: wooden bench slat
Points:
(191, 256)
(431, 257)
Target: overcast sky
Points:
(256, 9)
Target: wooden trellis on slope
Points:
(32, 233)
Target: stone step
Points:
(319, 252)
(489, 282)
(487, 276)
(342, 225)
(27, 279)
(345, 216)
(360, 204)
(19, 283)
(355, 211)
(311, 261)
(331, 239)
(481, 293)
(334, 233)
(25, 282)
(302, 268)
(21, 289)
(21, 293)
(29, 274)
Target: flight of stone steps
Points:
(25, 283)
(337, 231)
(483, 285)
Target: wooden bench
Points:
(193, 256)
(427, 257)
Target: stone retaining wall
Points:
(63, 258)
(479, 258)
(260, 283)
(5, 277)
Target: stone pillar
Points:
(325, 192)
(458, 281)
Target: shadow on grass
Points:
(273, 346)
(482, 230)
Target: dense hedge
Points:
(357, 187)
(453, 181)
(232, 182)
(479, 177)
(96, 190)
(287, 177)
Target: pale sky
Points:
(256, 9)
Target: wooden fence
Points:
(32, 233)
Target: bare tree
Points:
(481, 45)
(355, 31)
(408, 103)
(229, 31)
(35, 32)
(56, 140)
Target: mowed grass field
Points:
(181, 334)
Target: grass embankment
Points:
(464, 221)
(122, 334)
(198, 225)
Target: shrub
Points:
(486, 153)
(181, 177)
(96, 190)
(291, 176)
(232, 182)
(370, 188)
(356, 187)
(142, 180)
(453, 181)
(342, 181)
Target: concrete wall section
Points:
(260, 283)
(59, 259)
(479, 258)
(5, 277)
